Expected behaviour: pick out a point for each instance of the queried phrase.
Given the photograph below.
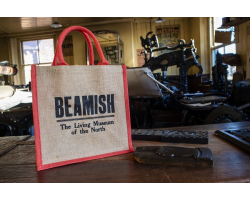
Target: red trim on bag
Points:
(125, 82)
(67, 162)
(36, 117)
(40, 166)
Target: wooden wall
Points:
(199, 31)
(4, 51)
(196, 28)
(123, 28)
(130, 30)
(142, 27)
(243, 45)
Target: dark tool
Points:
(149, 43)
(175, 156)
(172, 136)
(182, 55)
(240, 138)
(219, 75)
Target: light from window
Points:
(27, 74)
(231, 48)
(218, 26)
(217, 22)
(39, 52)
(27, 70)
(220, 50)
(225, 50)
(231, 69)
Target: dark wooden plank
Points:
(125, 169)
(8, 143)
(231, 164)
(21, 155)
(18, 174)
(213, 127)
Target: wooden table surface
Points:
(231, 164)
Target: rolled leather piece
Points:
(6, 91)
(174, 156)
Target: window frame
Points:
(214, 47)
(22, 55)
(20, 52)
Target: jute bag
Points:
(80, 112)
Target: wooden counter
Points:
(231, 164)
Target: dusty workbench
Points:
(231, 163)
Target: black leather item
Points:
(175, 156)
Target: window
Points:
(39, 52)
(224, 48)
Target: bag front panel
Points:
(81, 112)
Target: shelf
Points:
(237, 21)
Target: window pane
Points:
(46, 50)
(27, 74)
(217, 22)
(230, 48)
(30, 52)
(220, 50)
(39, 52)
(231, 70)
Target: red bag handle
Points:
(91, 55)
(87, 33)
